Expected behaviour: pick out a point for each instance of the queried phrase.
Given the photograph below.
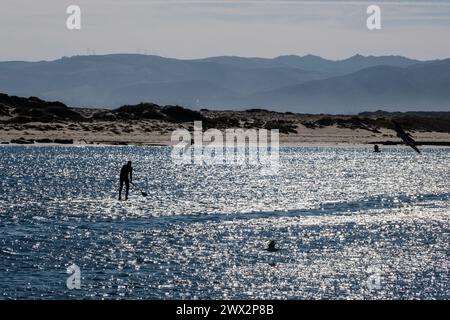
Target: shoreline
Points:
(66, 135)
(282, 145)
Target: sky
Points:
(36, 30)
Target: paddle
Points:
(144, 194)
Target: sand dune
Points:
(31, 120)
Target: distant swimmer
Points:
(406, 137)
(271, 246)
(376, 148)
(125, 172)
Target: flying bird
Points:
(406, 137)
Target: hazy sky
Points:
(36, 30)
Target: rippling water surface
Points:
(349, 224)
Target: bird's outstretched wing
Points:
(406, 137)
(414, 147)
(398, 128)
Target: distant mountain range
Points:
(308, 84)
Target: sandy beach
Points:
(142, 135)
(158, 132)
(35, 121)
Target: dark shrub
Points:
(180, 114)
(139, 111)
(283, 126)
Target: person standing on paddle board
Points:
(125, 172)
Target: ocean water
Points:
(349, 224)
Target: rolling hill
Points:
(423, 86)
(286, 83)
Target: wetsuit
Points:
(124, 172)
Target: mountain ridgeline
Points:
(308, 84)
